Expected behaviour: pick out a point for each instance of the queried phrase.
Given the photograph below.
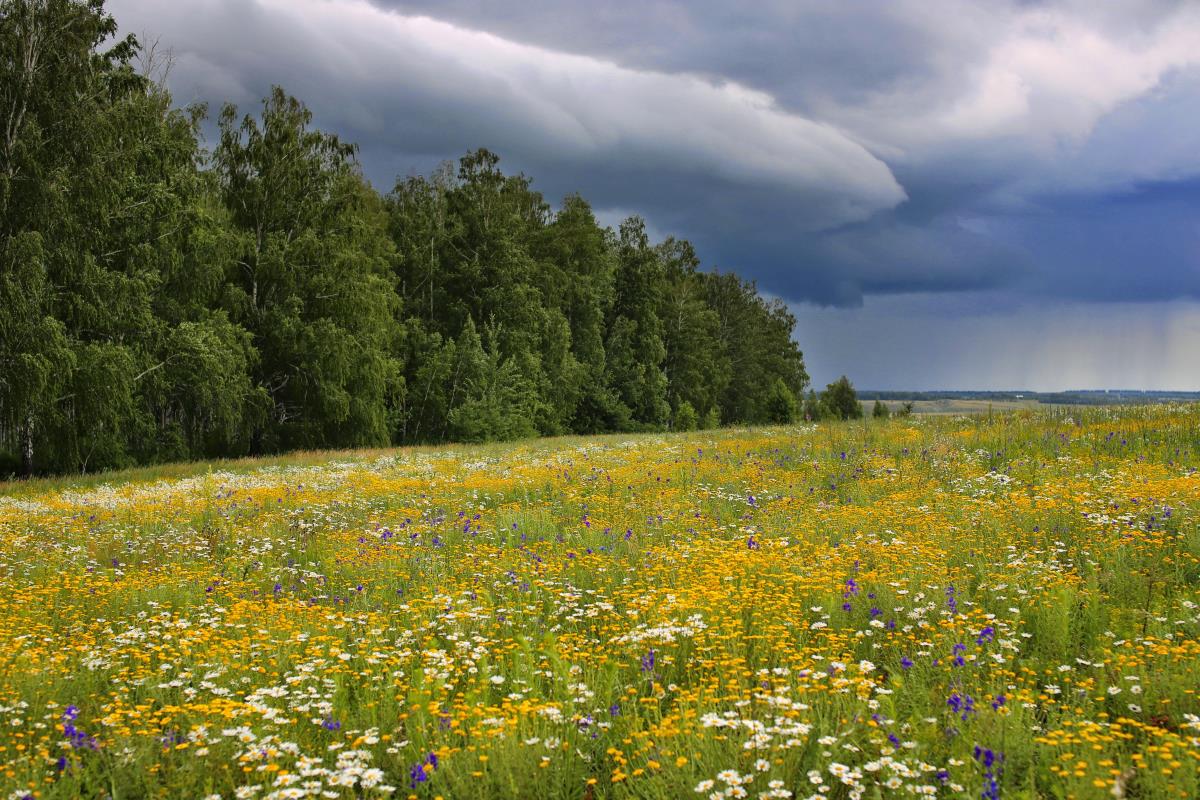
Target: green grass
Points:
(854, 606)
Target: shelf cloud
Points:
(1044, 150)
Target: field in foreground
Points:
(939, 607)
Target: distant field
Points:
(932, 606)
(956, 402)
(962, 406)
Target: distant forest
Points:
(161, 299)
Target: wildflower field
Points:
(994, 607)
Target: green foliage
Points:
(636, 350)
(695, 367)
(98, 176)
(164, 302)
(203, 397)
(879, 410)
(685, 417)
(577, 270)
(495, 400)
(812, 411)
(35, 354)
(781, 407)
(423, 412)
(310, 279)
(756, 344)
(839, 400)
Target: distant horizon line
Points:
(1189, 392)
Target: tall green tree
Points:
(56, 87)
(466, 253)
(99, 191)
(310, 278)
(812, 410)
(496, 401)
(841, 401)
(195, 388)
(756, 339)
(696, 368)
(421, 229)
(634, 345)
(781, 406)
(35, 354)
(577, 264)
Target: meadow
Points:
(992, 607)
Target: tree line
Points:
(162, 299)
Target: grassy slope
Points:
(621, 616)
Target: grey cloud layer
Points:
(832, 151)
(428, 86)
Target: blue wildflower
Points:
(418, 772)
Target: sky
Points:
(949, 194)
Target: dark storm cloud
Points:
(790, 49)
(1149, 236)
(830, 151)
(424, 87)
